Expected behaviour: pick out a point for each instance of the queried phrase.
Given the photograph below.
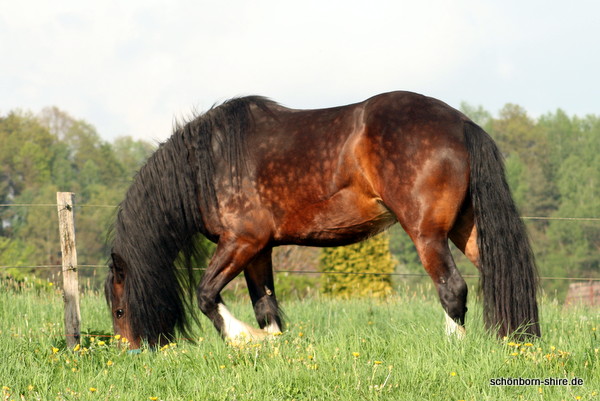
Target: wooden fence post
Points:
(66, 223)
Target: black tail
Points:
(508, 271)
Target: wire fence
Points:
(315, 272)
(303, 271)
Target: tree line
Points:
(552, 164)
(50, 152)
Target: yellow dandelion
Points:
(452, 373)
(377, 362)
(92, 339)
(222, 367)
(356, 354)
(30, 387)
(93, 389)
(54, 350)
(5, 388)
(50, 284)
(101, 343)
(109, 363)
(528, 344)
(118, 337)
(300, 334)
(124, 340)
(77, 347)
(73, 370)
(540, 390)
(578, 397)
(153, 398)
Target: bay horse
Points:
(251, 174)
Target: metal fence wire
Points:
(307, 271)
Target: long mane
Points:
(158, 221)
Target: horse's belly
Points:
(340, 220)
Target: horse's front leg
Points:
(232, 255)
(259, 277)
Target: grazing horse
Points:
(251, 174)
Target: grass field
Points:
(332, 350)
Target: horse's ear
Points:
(118, 266)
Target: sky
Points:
(136, 67)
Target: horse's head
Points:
(117, 300)
(145, 308)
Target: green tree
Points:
(92, 160)
(25, 154)
(16, 254)
(40, 155)
(361, 269)
(37, 225)
(575, 247)
(131, 153)
(478, 114)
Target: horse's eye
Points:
(119, 313)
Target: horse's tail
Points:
(507, 266)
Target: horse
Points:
(251, 174)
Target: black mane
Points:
(159, 218)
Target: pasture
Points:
(361, 349)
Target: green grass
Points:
(332, 350)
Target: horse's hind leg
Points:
(259, 277)
(451, 287)
(428, 220)
(464, 234)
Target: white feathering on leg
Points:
(273, 328)
(235, 329)
(453, 328)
